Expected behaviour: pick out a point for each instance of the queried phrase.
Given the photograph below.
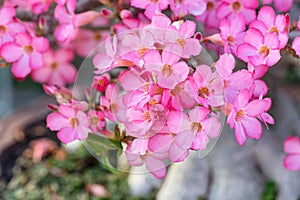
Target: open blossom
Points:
(151, 7)
(232, 33)
(8, 26)
(137, 154)
(209, 16)
(182, 8)
(100, 83)
(25, 53)
(39, 6)
(96, 121)
(296, 45)
(292, 148)
(167, 68)
(260, 49)
(267, 21)
(71, 123)
(281, 6)
(205, 87)
(230, 8)
(57, 69)
(243, 117)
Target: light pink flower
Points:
(243, 117)
(71, 124)
(230, 8)
(137, 154)
(168, 70)
(281, 6)
(151, 7)
(296, 45)
(232, 33)
(260, 49)
(205, 87)
(57, 69)
(233, 82)
(267, 21)
(86, 41)
(183, 8)
(112, 105)
(292, 148)
(209, 16)
(39, 6)
(8, 26)
(96, 121)
(26, 53)
(129, 23)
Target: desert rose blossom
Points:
(151, 7)
(296, 45)
(292, 148)
(166, 67)
(232, 33)
(100, 83)
(243, 117)
(267, 21)
(138, 153)
(209, 16)
(96, 121)
(71, 123)
(25, 53)
(57, 69)
(182, 8)
(259, 49)
(8, 26)
(281, 6)
(230, 8)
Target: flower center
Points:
(196, 127)
(239, 115)
(203, 92)
(54, 66)
(264, 51)
(167, 70)
(147, 116)
(236, 6)
(274, 30)
(28, 49)
(2, 29)
(181, 42)
(230, 39)
(210, 5)
(113, 107)
(142, 51)
(94, 121)
(98, 36)
(74, 122)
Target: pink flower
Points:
(137, 153)
(39, 6)
(69, 22)
(186, 45)
(151, 7)
(233, 82)
(168, 70)
(96, 121)
(243, 117)
(8, 26)
(230, 8)
(205, 87)
(100, 83)
(57, 69)
(260, 49)
(209, 16)
(232, 33)
(86, 41)
(71, 124)
(183, 8)
(296, 45)
(267, 21)
(113, 107)
(292, 148)
(129, 23)
(26, 53)
(281, 6)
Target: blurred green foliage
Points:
(270, 191)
